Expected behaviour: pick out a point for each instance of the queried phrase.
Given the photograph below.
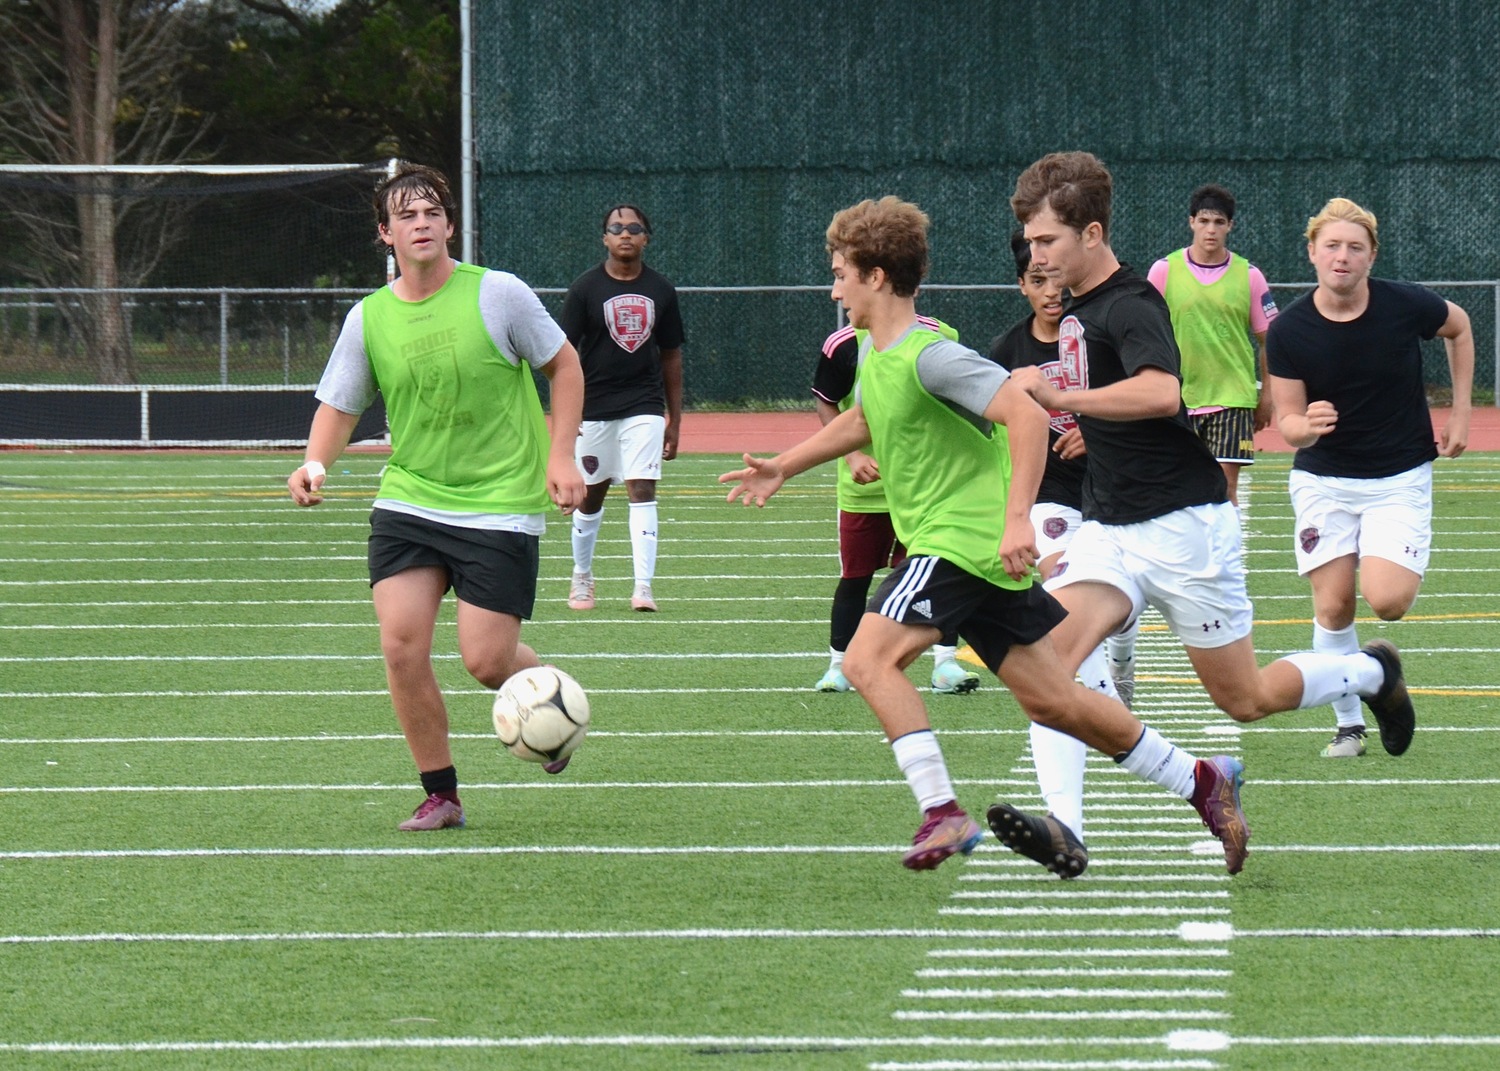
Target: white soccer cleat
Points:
(953, 678)
(581, 593)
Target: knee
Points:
(1241, 708)
(1389, 609)
(858, 669)
(1053, 708)
(864, 666)
(1049, 715)
(404, 650)
(491, 668)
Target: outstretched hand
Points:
(758, 480)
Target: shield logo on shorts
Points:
(1054, 527)
(631, 318)
(590, 464)
(1308, 538)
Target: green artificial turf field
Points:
(200, 781)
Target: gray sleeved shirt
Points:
(517, 321)
(964, 379)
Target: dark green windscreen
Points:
(741, 128)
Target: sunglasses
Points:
(625, 228)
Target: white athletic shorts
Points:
(612, 451)
(1055, 527)
(1188, 564)
(1389, 517)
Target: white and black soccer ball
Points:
(541, 714)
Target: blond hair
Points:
(1343, 210)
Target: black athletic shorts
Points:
(925, 590)
(489, 569)
(1229, 433)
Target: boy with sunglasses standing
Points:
(624, 320)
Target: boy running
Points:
(867, 541)
(960, 496)
(1158, 526)
(1346, 375)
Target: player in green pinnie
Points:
(960, 496)
(472, 470)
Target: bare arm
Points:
(1458, 339)
(671, 381)
(326, 440)
(861, 465)
(1151, 392)
(564, 482)
(762, 477)
(1264, 410)
(1025, 425)
(1300, 422)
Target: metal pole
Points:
(224, 338)
(390, 258)
(466, 123)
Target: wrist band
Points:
(314, 469)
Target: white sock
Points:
(835, 659)
(1344, 641)
(1157, 759)
(1327, 677)
(943, 653)
(585, 535)
(921, 760)
(1094, 673)
(1121, 648)
(1059, 760)
(643, 540)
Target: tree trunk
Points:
(92, 64)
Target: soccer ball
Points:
(541, 714)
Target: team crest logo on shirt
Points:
(1069, 372)
(1072, 356)
(630, 318)
(1055, 527)
(1308, 539)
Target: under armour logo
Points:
(1210, 626)
(924, 608)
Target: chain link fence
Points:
(747, 346)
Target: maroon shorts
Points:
(867, 544)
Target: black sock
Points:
(442, 783)
(848, 607)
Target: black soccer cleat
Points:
(1041, 839)
(1391, 705)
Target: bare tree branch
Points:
(94, 82)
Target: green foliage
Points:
(358, 81)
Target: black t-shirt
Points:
(1137, 469)
(1062, 481)
(619, 329)
(837, 367)
(1370, 368)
